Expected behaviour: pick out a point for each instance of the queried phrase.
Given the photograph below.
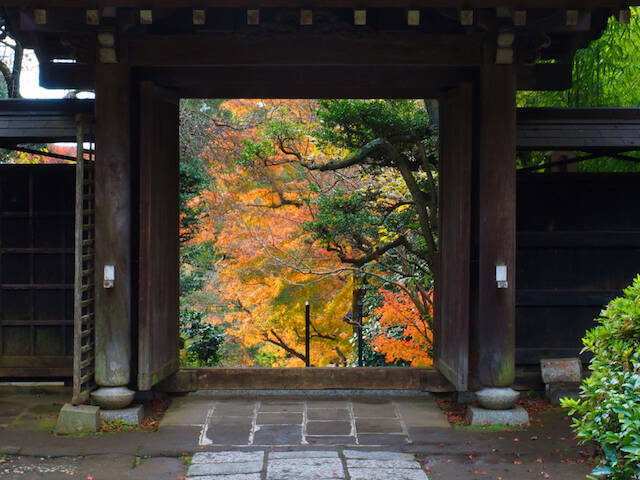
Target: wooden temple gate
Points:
(140, 57)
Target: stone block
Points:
(132, 415)
(555, 391)
(78, 419)
(561, 370)
(484, 416)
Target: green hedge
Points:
(608, 412)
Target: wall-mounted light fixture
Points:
(501, 276)
(109, 276)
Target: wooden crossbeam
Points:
(468, 4)
(212, 49)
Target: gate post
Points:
(494, 329)
(113, 235)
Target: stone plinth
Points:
(78, 419)
(561, 370)
(484, 416)
(132, 415)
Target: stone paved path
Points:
(311, 422)
(305, 465)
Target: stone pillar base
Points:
(132, 415)
(497, 398)
(113, 398)
(484, 416)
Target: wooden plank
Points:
(322, 378)
(36, 372)
(494, 329)
(456, 139)
(564, 298)
(591, 239)
(28, 361)
(158, 308)
(213, 49)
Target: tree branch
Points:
(282, 344)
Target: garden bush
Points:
(608, 411)
(202, 339)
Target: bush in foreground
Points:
(608, 412)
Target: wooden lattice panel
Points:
(84, 291)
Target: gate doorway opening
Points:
(308, 232)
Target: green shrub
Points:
(608, 412)
(202, 339)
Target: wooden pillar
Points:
(453, 272)
(494, 329)
(113, 224)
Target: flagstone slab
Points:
(378, 425)
(327, 414)
(328, 428)
(374, 410)
(240, 476)
(305, 468)
(230, 468)
(386, 474)
(392, 463)
(278, 435)
(279, 418)
(227, 457)
(303, 454)
(377, 455)
(331, 440)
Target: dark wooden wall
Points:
(578, 246)
(36, 270)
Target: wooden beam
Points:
(221, 49)
(67, 76)
(522, 4)
(308, 82)
(493, 332)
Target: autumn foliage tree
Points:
(334, 202)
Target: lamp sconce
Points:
(501, 276)
(109, 276)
